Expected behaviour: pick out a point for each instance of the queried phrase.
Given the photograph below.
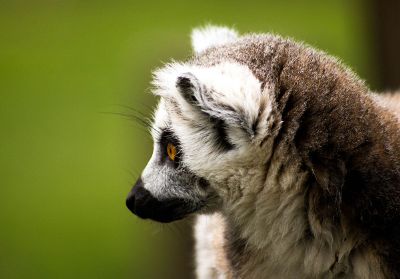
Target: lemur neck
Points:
(266, 230)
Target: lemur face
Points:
(166, 190)
(207, 136)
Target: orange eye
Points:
(171, 151)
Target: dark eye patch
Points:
(167, 136)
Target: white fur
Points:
(210, 258)
(211, 36)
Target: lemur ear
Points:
(211, 36)
(217, 105)
(196, 94)
(227, 92)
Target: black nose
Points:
(144, 205)
(137, 192)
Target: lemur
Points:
(289, 161)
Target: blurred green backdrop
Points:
(67, 162)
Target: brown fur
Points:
(348, 142)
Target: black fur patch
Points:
(222, 139)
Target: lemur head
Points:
(209, 133)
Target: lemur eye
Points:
(171, 151)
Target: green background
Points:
(68, 159)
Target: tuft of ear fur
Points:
(211, 36)
(187, 84)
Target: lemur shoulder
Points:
(291, 163)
